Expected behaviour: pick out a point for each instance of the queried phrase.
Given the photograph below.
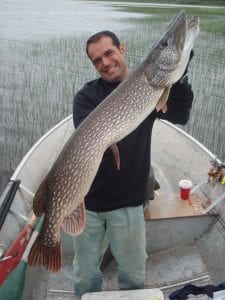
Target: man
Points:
(114, 204)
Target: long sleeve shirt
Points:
(113, 188)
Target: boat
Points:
(185, 238)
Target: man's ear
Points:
(122, 49)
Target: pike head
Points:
(169, 56)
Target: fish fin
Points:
(161, 105)
(40, 195)
(116, 154)
(164, 108)
(75, 223)
(50, 257)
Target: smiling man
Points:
(114, 204)
(108, 57)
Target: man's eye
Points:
(109, 52)
(96, 61)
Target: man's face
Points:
(108, 60)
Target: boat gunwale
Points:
(68, 118)
(192, 139)
(39, 142)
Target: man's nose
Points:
(105, 61)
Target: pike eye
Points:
(164, 43)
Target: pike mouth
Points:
(193, 23)
(180, 31)
(176, 31)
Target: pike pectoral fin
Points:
(161, 105)
(40, 195)
(116, 154)
(74, 223)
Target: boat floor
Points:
(168, 270)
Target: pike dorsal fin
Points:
(74, 223)
(40, 196)
(161, 105)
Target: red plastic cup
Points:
(185, 188)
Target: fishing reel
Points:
(217, 172)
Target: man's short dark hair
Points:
(97, 36)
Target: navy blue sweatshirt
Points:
(113, 188)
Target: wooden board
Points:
(172, 206)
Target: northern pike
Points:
(61, 194)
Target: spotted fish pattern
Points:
(61, 195)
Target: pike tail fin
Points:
(50, 257)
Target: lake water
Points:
(43, 64)
(29, 20)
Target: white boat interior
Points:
(185, 238)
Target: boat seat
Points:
(142, 294)
(172, 206)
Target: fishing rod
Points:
(7, 199)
